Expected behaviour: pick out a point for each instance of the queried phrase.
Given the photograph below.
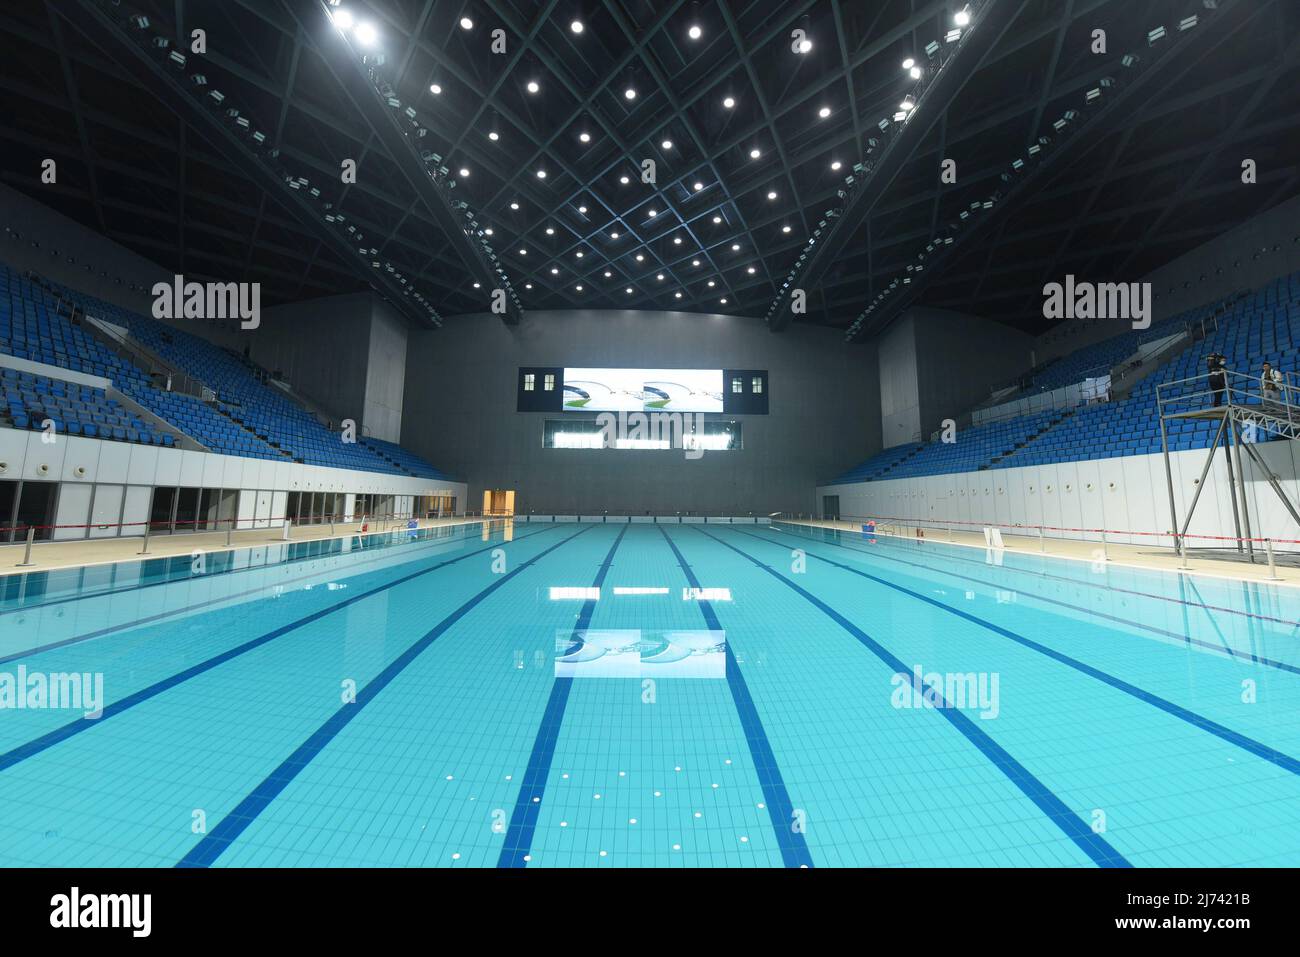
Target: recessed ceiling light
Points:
(528, 285)
(629, 94)
(613, 235)
(836, 164)
(608, 274)
(723, 300)
(677, 240)
(909, 63)
(532, 86)
(754, 153)
(435, 89)
(660, 277)
(623, 180)
(554, 271)
(523, 252)
(628, 290)
(717, 219)
(678, 295)
(698, 187)
(824, 112)
(582, 209)
(652, 213)
(695, 32)
(514, 205)
(494, 136)
(695, 262)
(751, 270)
(550, 230)
(366, 34)
(915, 73)
(488, 231)
(735, 247)
(805, 45)
(712, 284)
(961, 18)
(640, 258)
(476, 285)
(771, 194)
(907, 104)
(579, 254)
(576, 27)
(785, 229)
(466, 23)
(584, 137)
(541, 174)
(342, 19)
(667, 144)
(729, 102)
(464, 172)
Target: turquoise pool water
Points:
(660, 695)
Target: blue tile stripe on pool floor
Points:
(62, 733)
(794, 848)
(1092, 844)
(1257, 748)
(214, 843)
(523, 820)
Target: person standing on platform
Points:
(1215, 362)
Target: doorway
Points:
(831, 508)
(498, 501)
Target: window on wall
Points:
(36, 507)
(756, 385)
(548, 382)
(737, 385)
(530, 381)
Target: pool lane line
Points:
(528, 804)
(215, 842)
(1094, 845)
(1182, 639)
(233, 596)
(1257, 748)
(895, 542)
(780, 808)
(15, 755)
(184, 559)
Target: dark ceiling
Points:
(1131, 193)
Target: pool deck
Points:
(106, 551)
(1131, 556)
(71, 554)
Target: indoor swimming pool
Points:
(636, 694)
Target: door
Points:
(831, 508)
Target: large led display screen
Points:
(643, 390)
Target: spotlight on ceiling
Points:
(629, 93)
(667, 144)
(805, 45)
(698, 186)
(435, 89)
(729, 102)
(584, 137)
(494, 136)
(909, 63)
(576, 26)
(961, 17)
(366, 34)
(464, 173)
(695, 32)
(824, 112)
(342, 19)
(771, 194)
(532, 86)
(466, 23)
(754, 153)
(541, 174)
(836, 164)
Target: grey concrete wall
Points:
(385, 372)
(935, 364)
(459, 410)
(320, 347)
(961, 359)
